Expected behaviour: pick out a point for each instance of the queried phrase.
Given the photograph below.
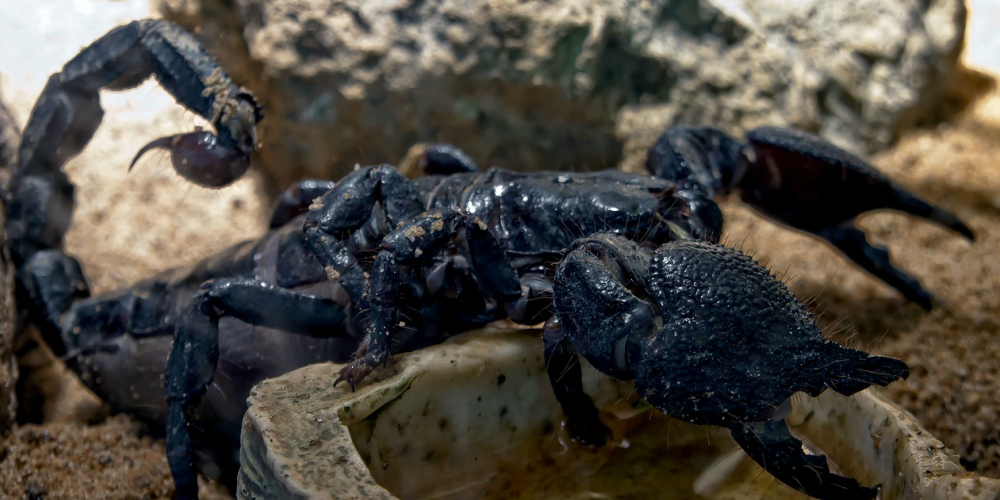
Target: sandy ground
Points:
(110, 460)
(129, 226)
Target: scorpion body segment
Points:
(624, 269)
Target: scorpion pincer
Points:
(624, 270)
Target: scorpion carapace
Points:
(623, 269)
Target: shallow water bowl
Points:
(475, 418)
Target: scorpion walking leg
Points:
(563, 367)
(195, 351)
(414, 245)
(296, 200)
(345, 215)
(436, 159)
(68, 113)
(595, 306)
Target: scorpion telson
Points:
(68, 113)
(623, 269)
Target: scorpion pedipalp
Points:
(621, 265)
(733, 347)
(798, 180)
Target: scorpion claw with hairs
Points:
(623, 269)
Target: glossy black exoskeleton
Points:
(623, 269)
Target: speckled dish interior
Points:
(475, 418)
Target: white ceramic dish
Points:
(475, 418)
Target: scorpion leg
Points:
(296, 200)
(195, 351)
(68, 113)
(774, 448)
(599, 313)
(414, 244)
(813, 186)
(347, 212)
(436, 159)
(562, 364)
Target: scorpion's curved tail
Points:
(39, 196)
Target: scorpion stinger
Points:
(378, 263)
(68, 113)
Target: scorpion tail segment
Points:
(735, 343)
(68, 113)
(562, 364)
(201, 158)
(186, 70)
(874, 259)
(52, 282)
(774, 448)
(38, 213)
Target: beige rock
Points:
(540, 84)
(9, 134)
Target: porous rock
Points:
(549, 84)
(9, 134)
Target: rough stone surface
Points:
(543, 84)
(9, 134)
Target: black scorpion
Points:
(623, 269)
